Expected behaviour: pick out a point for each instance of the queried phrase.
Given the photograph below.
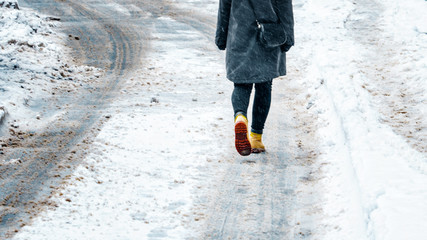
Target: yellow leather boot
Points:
(256, 143)
(242, 144)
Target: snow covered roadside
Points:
(141, 177)
(150, 158)
(35, 70)
(374, 179)
(404, 44)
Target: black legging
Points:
(240, 100)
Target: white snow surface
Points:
(374, 180)
(34, 66)
(148, 165)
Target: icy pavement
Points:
(344, 161)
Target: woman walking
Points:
(251, 62)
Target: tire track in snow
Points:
(54, 153)
(368, 167)
(271, 187)
(390, 65)
(271, 195)
(262, 196)
(397, 96)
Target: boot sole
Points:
(242, 143)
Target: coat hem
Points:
(258, 80)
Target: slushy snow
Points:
(36, 68)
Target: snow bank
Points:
(35, 67)
(374, 180)
(405, 23)
(406, 19)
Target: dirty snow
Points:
(374, 176)
(35, 69)
(157, 156)
(139, 179)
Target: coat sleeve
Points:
(222, 24)
(287, 19)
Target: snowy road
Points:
(104, 44)
(186, 83)
(345, 138)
